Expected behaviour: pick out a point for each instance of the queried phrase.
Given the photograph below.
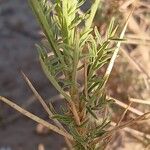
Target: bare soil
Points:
(18, 35)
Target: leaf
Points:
(93, 9)
(67, 120)
(84, 37)
(91, 112)
(42, 52)
(117, 39)
(79, 138)
(77, 20)
(99, 130)
(94, 84)
(111, 27)
(53, 80)
(39, 13)
(98, 36)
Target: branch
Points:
(36, 118)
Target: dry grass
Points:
(136, 53)
(130, 80)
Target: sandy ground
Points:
(18, 35)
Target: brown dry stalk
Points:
(16, 115)
(123, 115)
(74, 112)
(123, 105)
(136, 41)
(119, 122)
(41, 100)
(133, 131)
(36, 118)
(117, 128)
(135, 100)
(116, 51)
(133, 121)
(37, 95)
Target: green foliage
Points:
(72, 40)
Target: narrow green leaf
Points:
(91, 112)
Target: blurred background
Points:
(130, 79)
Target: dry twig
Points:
(146, 102)
(36, 118)
(46, 108)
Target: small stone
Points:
(41, 130)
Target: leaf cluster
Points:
(72, 40)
